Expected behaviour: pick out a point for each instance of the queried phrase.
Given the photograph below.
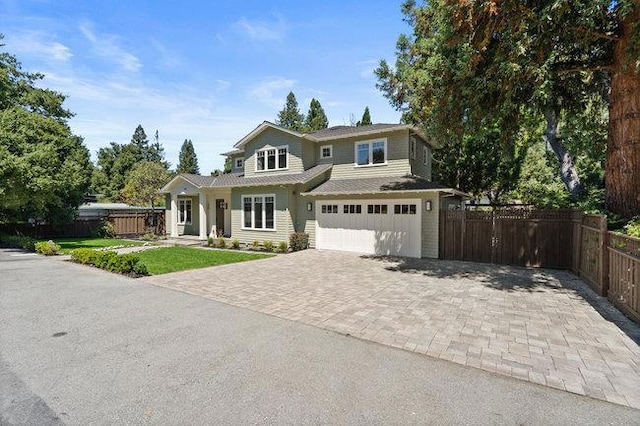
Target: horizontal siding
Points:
(284, 223)
(274, 138)
(431, 227)
(418, 167)
(344, 157)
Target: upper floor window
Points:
(272, 158)
(239, 163)
(425, 155)
(412, 147)
(371, 152)
(326, 151)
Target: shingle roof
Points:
(342, 131)
(376, 185)
(239, 179)
(198, 180)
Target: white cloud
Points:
(272, 91)
(221, 85)
(262, 30)
(367, 67)
(38, 44)
(107, 46)
(166, 57)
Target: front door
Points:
(220, 217)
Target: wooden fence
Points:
(126, 224)
(559, 239)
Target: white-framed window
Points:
(425, 155)
(352, 209)
(329, 208)
(404, 209)
(369, 153)
(412, 147)
(326, 151)
(184, 211)
(377, 209)
(259, 212)
(272, 159)
(239, 163)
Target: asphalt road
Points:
(80, 346)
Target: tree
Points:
(188, 161)
(290, 116)
(144, 182)
(468, 61)
(366, 118)
(44, 168)
(316, 118)
(117, 160)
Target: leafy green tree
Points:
(188, 161)
(469, 61)
(290, 117)
(316, 118)
(117, 160)
(366, 118)
(44, 169)
(143, 183)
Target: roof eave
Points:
(401, 191)
(261, 127)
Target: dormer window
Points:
(239, 163)
(371, 152)
(272, 158)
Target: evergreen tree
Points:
(188, 161)
(316, 118)
(290, 117)
(366, 118)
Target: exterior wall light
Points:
(427, 205)
(309, 206)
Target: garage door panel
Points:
(370, 233)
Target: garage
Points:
(382, 226)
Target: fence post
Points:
(604, 256)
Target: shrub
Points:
(268, 245)
(107, 229)
(149, 236)
(210, 241)
(235, 244)
(18, 241)
(222, 243)
(48, 248)
(255, 245)
(299, 241)
(283, 247)
(127, 264)
(633, 227)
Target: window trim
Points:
(183, 220)
(238, 163)
(330, 148)
(413, 148)
(425, 155)
(277, 156)
(264, 212)
(370, 142)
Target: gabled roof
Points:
(261, 128)
(377, 185)
(239, 180)
(198, 181)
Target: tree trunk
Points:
(622, 170)
(568, 172)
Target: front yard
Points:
(68, 244)
(172, 259)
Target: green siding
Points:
(431, 227)
(418, 167)
(274, 138)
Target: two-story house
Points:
(363, 189)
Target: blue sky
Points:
(209, 71)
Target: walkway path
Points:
(542, 326)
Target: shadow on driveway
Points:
(513, 279)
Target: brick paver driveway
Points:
(543, 326)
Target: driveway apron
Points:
(539, 325)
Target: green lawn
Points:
(68, 244)
(178, 258)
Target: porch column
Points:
(174, 215)
(202, 218)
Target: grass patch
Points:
(172, 259)
(68, 244)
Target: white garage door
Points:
(384, 227)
